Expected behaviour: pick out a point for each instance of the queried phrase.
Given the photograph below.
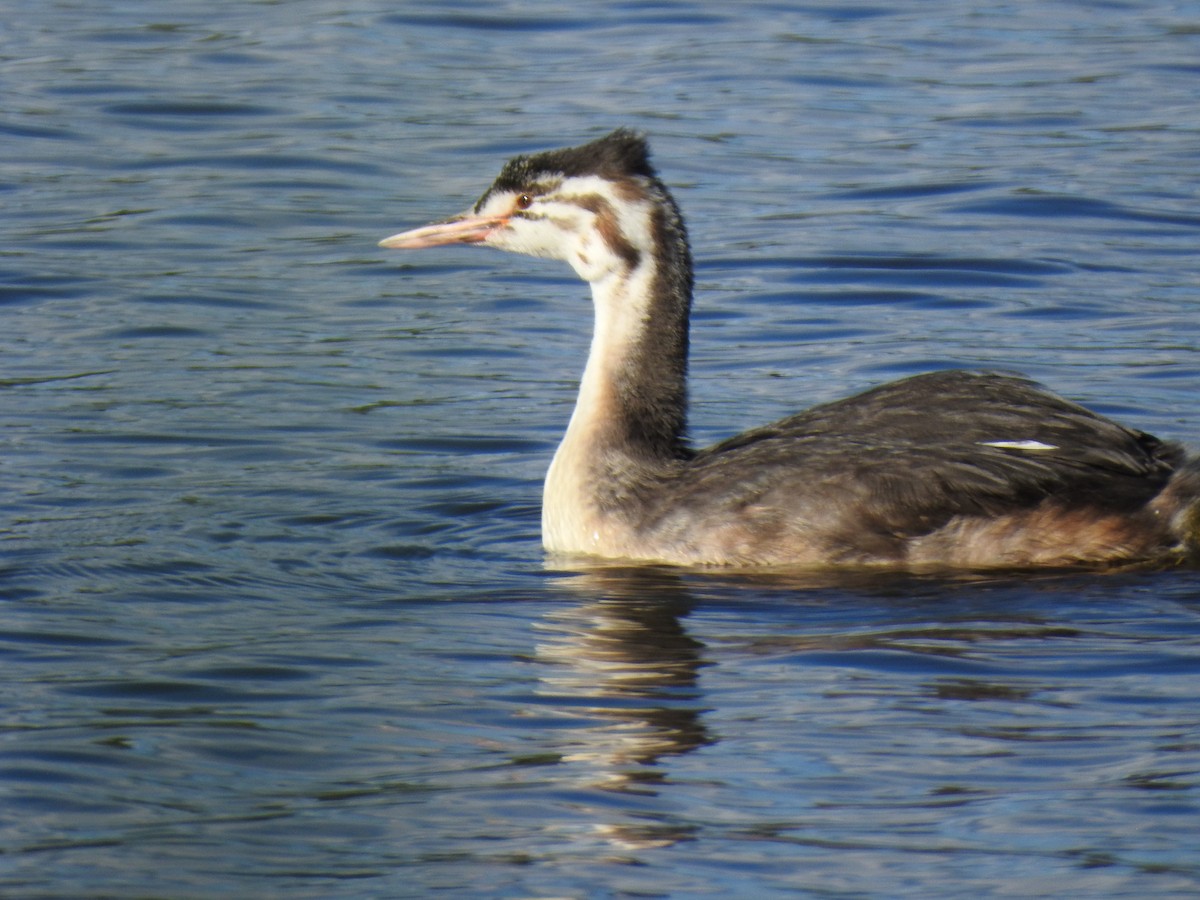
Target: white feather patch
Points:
(1035, 446)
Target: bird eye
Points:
(524, 201)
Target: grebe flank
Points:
(953, 468)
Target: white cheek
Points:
(589, 260)
(534, 237)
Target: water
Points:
(276, 621)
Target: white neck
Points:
(592, 454)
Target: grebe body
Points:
(948, 469)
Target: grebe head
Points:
(599, 207)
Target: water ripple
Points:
(277, 621)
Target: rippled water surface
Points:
(275, 617)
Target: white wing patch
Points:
(1034, 446)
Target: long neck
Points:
(630, 419)
(633, 395)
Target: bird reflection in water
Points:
(624, 661)
(622, 666)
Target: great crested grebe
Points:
(953, 468)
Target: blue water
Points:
(274, 616)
